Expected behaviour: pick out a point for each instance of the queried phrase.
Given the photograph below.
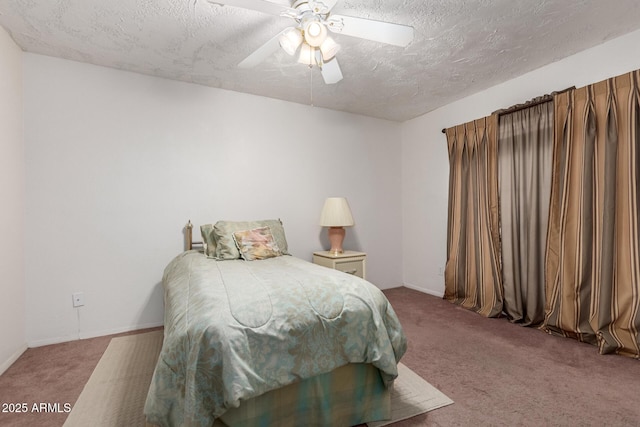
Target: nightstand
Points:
(350, 262)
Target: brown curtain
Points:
(472, 272)
(525, 150)
(593, 254)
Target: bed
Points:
(273, 340)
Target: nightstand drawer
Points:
(350, 262)
(350, 267)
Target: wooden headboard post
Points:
(188, 236)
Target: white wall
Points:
(118, 162)
(12, 183)
(425, 159)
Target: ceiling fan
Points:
(309, 35)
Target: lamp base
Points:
(336, 237)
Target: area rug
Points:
(411, 395)
(117, 389)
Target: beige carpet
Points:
(116, 391)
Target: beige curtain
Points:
(525, 150)
(472, 272)
(593, 253)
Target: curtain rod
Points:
(535, 101)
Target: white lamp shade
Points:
(336, 213)
(329, 48)
(315, 33)
(290, 40)
(307, 55)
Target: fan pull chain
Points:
(311, 82)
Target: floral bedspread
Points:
(236, 329)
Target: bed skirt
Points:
(350, 395)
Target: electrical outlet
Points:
(78, 299)
(441, 271)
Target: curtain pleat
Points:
(472, 272)
(592, 258)
(525, 147)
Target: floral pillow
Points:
(257, 243)
(226, 247)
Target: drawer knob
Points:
(351, 271)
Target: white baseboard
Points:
(5, 365)
(438, 294)
(94, 334)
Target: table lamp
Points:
(336, 214)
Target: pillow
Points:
(208, 240)
(256, 244)
(225, 245)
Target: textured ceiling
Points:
(460, 46)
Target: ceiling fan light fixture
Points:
(315, 33)
(290, 39)
(307, 55)
(329, 48)
(308, 37)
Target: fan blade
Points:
(258, 5)
(384, 32)
(262, 53)
(331, 72)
